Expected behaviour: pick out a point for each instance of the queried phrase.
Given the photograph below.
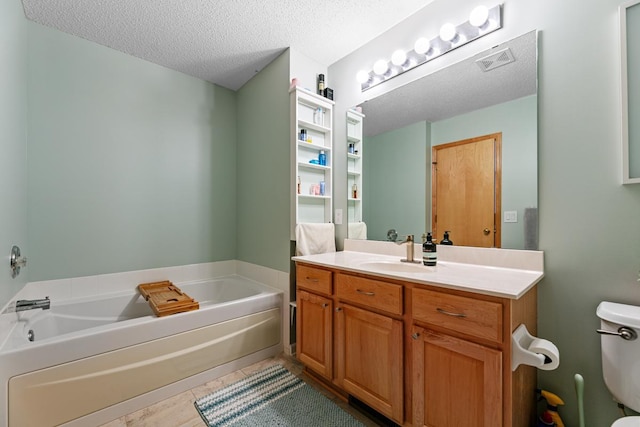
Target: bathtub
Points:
(88, 361)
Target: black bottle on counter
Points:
(445, 240)
(429, 255)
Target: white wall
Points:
(589, 222)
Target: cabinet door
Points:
(369, 359)
(455, 382)
(314, 334)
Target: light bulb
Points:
(399, 57)
(448, 32)
(380, 67)
(422, 46)
(479, 16)
(362, 76)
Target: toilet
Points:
(620, 345)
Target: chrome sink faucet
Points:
(409, 242)
(32, 304)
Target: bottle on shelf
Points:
(321, 84)
(303, 135)
(322, 187)
(318, 116)
(354, 191)
(299, 185)
(322, 158)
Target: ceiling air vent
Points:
(495, 60)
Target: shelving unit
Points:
(307, 205)
(355, 121)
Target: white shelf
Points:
(310, 125)
(313, 166)
(313, 196)
(355, 122)
(312, 146)
(306, 207)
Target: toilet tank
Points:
(620, 357)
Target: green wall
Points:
(263, 167)
(131, 165)
(13, 133)
(395, 181)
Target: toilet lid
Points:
(627, 422)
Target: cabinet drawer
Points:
(314, 279)
(371, 293)
(482, 319)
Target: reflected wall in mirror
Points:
(493, 92)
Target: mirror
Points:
(493, 92)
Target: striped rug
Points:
(271, 397)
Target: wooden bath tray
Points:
(166, 298)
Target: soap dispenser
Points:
(429, 255)
(445, 240)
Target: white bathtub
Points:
(94, 359)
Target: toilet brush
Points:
(580, 393)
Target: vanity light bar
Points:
(482, 21)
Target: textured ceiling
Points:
(224, 41)
(457, 89)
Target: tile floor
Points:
(179, 411)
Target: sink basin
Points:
(396, 267)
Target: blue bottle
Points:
(322, 158)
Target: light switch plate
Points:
(510, 216)
(338, 217)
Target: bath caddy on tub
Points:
(166, 298)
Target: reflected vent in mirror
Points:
(495, 60)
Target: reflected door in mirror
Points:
(466, 181)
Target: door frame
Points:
(497, 182)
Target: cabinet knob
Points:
(415, 335)
(325, 305)
(338, 309)
(486, 231)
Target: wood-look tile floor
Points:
(179, 410)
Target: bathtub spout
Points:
(31, 304)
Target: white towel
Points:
(315, 238)
(358, 230)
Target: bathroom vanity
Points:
(424, 346)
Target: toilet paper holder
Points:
(521, 353)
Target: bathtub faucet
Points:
(31, 304)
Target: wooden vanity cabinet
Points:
(369, 356)
(314, 322)
(461, 359)
(420, 355)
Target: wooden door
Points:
(455, 382)
(369, 360)
(314, 345)
(466, 191)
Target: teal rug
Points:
(272, 397)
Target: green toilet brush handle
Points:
(580, 393)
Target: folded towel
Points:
(315, 238)
(358, 230)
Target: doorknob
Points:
(486, 231)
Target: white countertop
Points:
(502, 282)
